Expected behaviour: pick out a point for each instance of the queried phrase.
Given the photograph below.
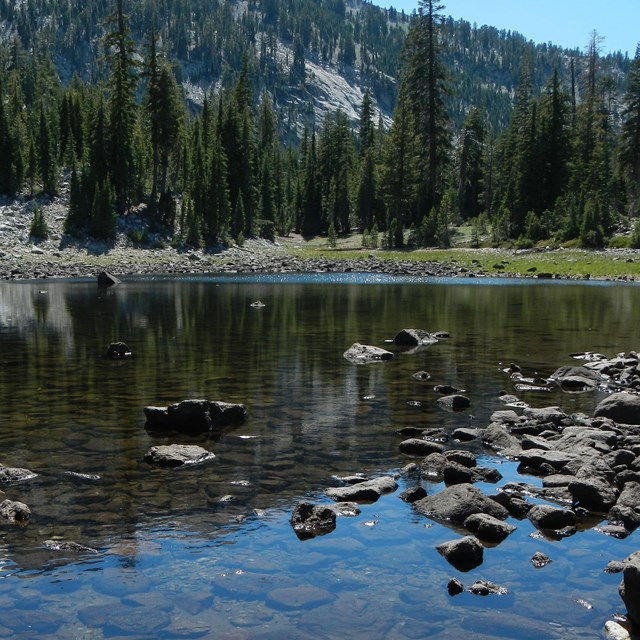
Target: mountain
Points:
(311, 56)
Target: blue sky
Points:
(567, 23)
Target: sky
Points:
(568, 23)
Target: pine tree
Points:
(46, 155)
(122, 110)
(367, 128)
(424, 79)
(471, 169)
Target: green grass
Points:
(565, 262)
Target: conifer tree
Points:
(471, 169)
(424, 79)
(122, 110)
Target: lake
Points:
(208, 551)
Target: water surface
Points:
(208, 551)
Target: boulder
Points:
(545, 517)
(176, 455)
(455, 504)
(15, 511)
(413, 494)
(623, 408)
(118, 351)
(535, 458)
(454, 402)
(496, 437)
(464, 554)
(465, 458)
(456, 473)
(592, 495)
(105, 279)
(195, 416)
(629, 589)
(488, 528)
(364, 354)
(419, 447)
(311, 520)
(539, 560)
(487, 588)
(368, 491)
(414, 338)
(576, 378)
(13, 475)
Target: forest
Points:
(457, 125)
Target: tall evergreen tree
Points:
(424, 79)
(122, 109)
(471, 164)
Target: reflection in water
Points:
(193, 543)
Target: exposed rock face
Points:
(464, 554)
(15, 511)
(621, 407)
(176, 455)
(364, 354)
(195, 416)
(368, 491)
(455, 504)
(311, 520)
(414, 338)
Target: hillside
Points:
(311, 56)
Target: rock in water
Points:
(364, 354)
(311, 520)
(176, 455)
(105, 279)
(622, 407)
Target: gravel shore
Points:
(60, 256)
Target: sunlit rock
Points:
(15, 511)
(364, 354)
(176, 455)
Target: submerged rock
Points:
(487, 588)
(68, 545)
(176, 455)
(195, 416)
(364, 354)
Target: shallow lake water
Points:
(208, 551)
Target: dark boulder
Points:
(311, 520)
(464, 554)
(413, 494)
(455, 504)
(195, 416)
(454, 587)
(629, 589)
(118, 351)
(419, 447)
(106, 279)
(592, 495)
(414, 338)
(456, 473)
(176, 455)
(576, 378)
(368, 491)
(488, 528)
(545, 517)
(465, 458)
(363, 354)
(623, 408)
(455, 402)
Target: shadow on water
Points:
(209, 549)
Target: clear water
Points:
(176, 561)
